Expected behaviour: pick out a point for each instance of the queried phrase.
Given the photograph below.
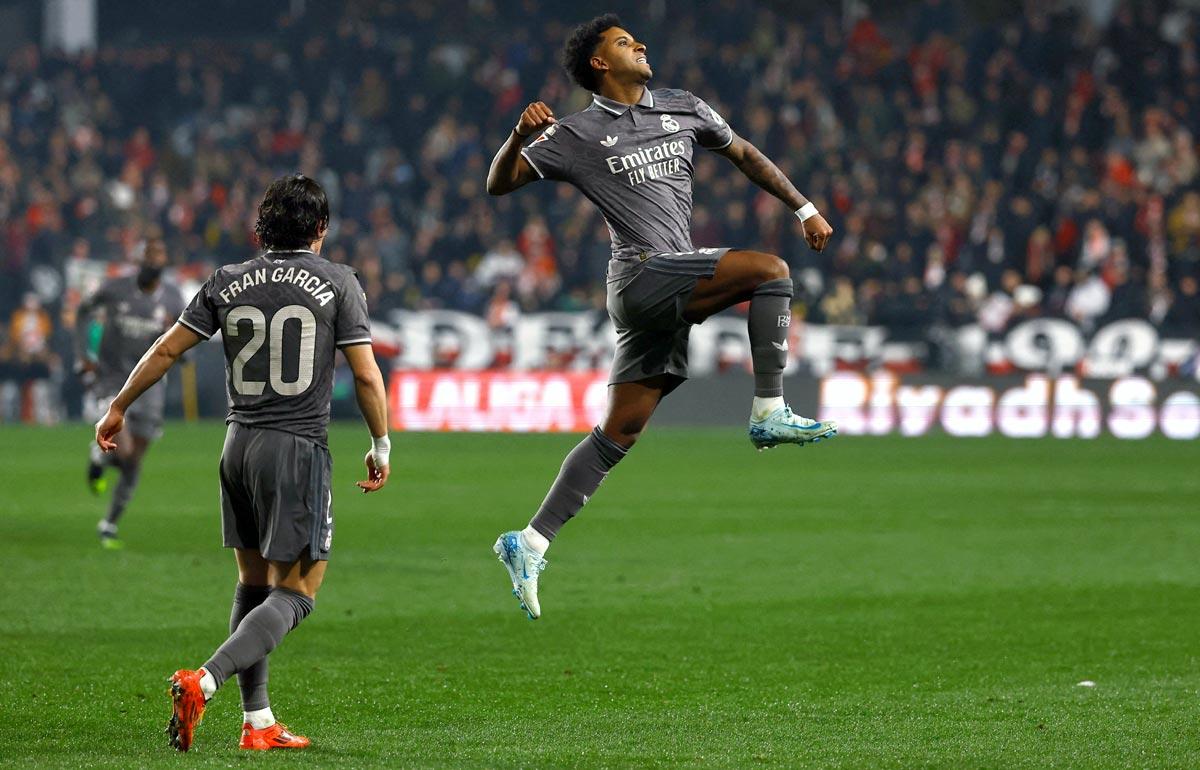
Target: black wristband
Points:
(520, 135)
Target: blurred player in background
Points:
(282, 316)
(132, 312)
(630, 152)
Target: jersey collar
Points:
(286, 253)
(619, 108)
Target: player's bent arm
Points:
(372, 402)
(509, 169)
(156, 361)
(761, 170)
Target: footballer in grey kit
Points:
(133, 311)
(631, 153)
(282, 316)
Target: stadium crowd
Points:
(976, 171)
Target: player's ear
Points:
(599, 64)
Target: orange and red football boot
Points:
(187, 701)
(277, 736)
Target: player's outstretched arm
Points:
(161, 356)
(761, 170)
(509, 170)
(372, 402)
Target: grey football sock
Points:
(131, 472)
(260, 631)
(770, 319)
(581, 473)
(253, 680)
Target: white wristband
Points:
(806, 211)
(380, 449)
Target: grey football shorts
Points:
(275, 494)
(647, 309)
(144, 420)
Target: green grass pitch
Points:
(869, 602)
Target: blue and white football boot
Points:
(524, 566)
(783, 426)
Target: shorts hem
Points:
(708, 272)
(618, 379)
(274, 557)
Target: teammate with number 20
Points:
(281, 315)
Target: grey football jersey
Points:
(635, 163)
(281, 317)
(133, 320)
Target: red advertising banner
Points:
(452, 400)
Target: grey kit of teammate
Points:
(133, 311)
(282, 316)
(631, 153)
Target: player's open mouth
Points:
(640, 60)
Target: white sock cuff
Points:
(763, 406)
(535, 540)
(208, 684)
(259, 718)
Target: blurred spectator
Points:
(1088, 300)
(1059, 294)
(997, 310)
(955, 305)
(501, 263)
(838, 306)
(1127, 297)
(1182, 319)
(26, 363)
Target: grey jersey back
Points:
(635, 163)
(281, 316)
(133, 320)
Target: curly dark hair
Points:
(577, 51)
(293, 213)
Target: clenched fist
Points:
(816, 232)
(533, 118)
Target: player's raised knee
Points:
(774, 268)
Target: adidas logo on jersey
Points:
(609, 141)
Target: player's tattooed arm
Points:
(761, 170)
(509, 169)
